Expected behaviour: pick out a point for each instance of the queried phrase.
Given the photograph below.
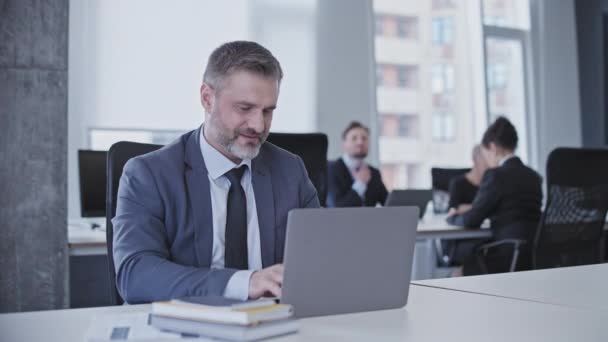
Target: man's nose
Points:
(256, 122)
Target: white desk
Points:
(436, 227)
(431, 315)
(82, 240)
(580, 287)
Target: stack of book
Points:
(221, 318)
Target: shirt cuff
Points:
(238, 285)
(359, 187)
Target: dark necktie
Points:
(235, 252)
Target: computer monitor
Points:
(92, 169)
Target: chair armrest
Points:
(515, 242)
(483, 250)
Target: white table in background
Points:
(82, 240)
(431, 229)
(431, 315)
(580, 287)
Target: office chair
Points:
(440, 179)
(312, 148)
(571, 229)
(118, 155)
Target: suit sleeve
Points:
(485, 203)
(144, 272)
(339, 192)
(308, 194)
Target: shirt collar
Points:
(217, 164)
(352, 163)
(505, 158)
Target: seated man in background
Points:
(463, 188)
(510, 195)
(206, 214)
(351, 181)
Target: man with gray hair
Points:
(206, 214)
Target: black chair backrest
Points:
(312, 148)
(571, 228)
(440, 179)
(118, 155)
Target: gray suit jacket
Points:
(163, 230)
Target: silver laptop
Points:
(346, 260)
(417, 197)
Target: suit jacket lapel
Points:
(264, 202)
(200, 199)
(345, 172)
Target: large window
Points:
(506, 41)
(438, 92)
(443, 30)
(443, 127)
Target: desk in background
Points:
(89, 275)
(84, 241)
(431, 315)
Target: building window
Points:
(408, 76)
(443, 126)
(390, 125)
(402, 76)
(442, 78)
(409, 126)
(397, 26)
(443, 30)
(407, 27)
(400, 125)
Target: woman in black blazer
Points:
(510, 195)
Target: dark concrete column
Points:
(33, 151)
(590, 36)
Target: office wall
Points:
(590, 34)
(556, 80)
(139, 64)
(33, 145)
(345, 70)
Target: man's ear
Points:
(207, 97)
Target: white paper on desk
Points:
(131, 326)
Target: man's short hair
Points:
(502, 133)
(237, 56)
(352, 125)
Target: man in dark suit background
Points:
(207, 214)
(351, 181)
(510, 195)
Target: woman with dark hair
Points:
(510, 195)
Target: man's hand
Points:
(364, 174)
(266, 282)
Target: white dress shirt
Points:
(353, 164)
(217, 165)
